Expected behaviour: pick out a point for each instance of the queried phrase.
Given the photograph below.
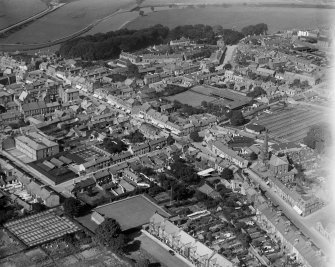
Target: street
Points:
(306, 229)
(160, 253)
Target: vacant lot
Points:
(277, 18)
(191, 98)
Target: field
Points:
(210, 2)
(191, 98)
(66, 20)
(277, 18)
(12, 11)
(290, 124)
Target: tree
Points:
(114, 145)
(136, 137)
(133, 71)
(236, 118)
(227, 174)
(218, 30)
(71, 206)
(318, 137)
(141, 13)
(211, 69)
(152, 9)
(38, 207)
(253, 156)
(142, 263)
(109, 234)
(227, 66)
(170, 140)
(196, 137)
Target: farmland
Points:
(290, 124)
(277, 18)
(12, 11)
(75, 16)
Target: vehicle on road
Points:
(172, 252)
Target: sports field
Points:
(191, 98)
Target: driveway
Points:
(160, 252)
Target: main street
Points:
(306, 229)
(160, 252)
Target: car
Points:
(172, 252)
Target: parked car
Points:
(172, 252)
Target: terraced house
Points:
(196, 252)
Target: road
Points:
(292, 215)
(160, 252)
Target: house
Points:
(102, 177)
(209, 191)
(131, 176)
(157, 144)
(84, 185)
(139, 149)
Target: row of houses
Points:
(184, 244)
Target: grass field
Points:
(12, 11)
(277, 18)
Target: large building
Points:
(36, 146)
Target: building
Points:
(225, 152)
(184, 244)
(131, 57)
(68, 94)
(152, 78)
(302, 204)
(291, 238)
(36, 146)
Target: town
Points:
(181, 153)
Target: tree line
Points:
(109, 45)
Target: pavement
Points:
(300, 222)
(160, 252)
